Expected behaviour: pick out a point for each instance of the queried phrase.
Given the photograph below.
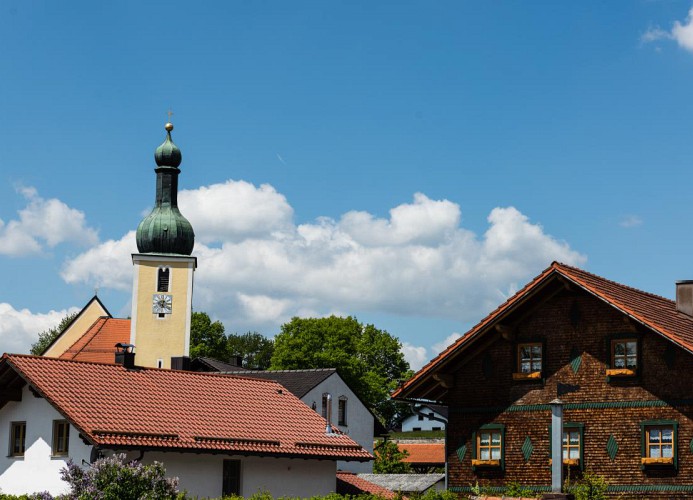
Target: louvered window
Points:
(163, 279)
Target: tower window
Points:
(163, 279)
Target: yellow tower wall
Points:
(158, 338)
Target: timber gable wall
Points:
(575, 329)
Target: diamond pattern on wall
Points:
(612, 447)
(461, 452)
(527, 448)
(575, 360)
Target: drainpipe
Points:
(556, 445)
(328, 427)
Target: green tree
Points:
(254, 348)
(370, 360)
(207, 338)
(47, 337)
(389, 459)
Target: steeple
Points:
(165, 230)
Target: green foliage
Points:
(370, 360)
(388, 459)
(590, 487)
(515, 489)
(46, 337)
(113, 478)
(207, 338)
(434, 494)
(254, 348)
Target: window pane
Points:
(495, 454)
(619, 349)
(485, 454)
(485, 439)
(525, 353)
(667, 435)
(619, 363)
(654, 452)
(525, 367)
(632, 362)
(631, 348)
(667, 451)
(496, 439)
(536, 351)
(536, 366)
(574, 453)
(574, 438)
(655, 436)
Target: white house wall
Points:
(359, 420)
(36, 471)
(426, 424)
(201, 475)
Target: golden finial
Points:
(169, 125)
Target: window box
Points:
(657, 461)
(527, 376)
(568, 462)
(486, 463)
(620, 372)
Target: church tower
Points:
(163, 282)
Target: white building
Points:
(426, 418)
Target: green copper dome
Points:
(165, 230)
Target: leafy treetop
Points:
(46, 337)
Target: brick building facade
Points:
(621, 360)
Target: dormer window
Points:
(163, 279)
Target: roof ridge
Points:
(628, 287)
(283, 371)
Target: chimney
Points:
(328, 427)
(125, 355)
(684, 297)
(180, 363)
(236, 361)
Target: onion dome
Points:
(165, 230)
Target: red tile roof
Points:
(180, 411)
(98, 342)
(349, 483)
(423, 453)
(655, 312)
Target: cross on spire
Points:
(170, 114)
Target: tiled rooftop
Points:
(297, 381)
(349, 483)
(177, 410)
(98, 342)
(423, 453)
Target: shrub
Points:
(590, 487)
(113, 478)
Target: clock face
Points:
(162, 303)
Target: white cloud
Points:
(43, 223)
(630, 221)
(20, 328)
(681, 32)
(419, 261)
(443, 344)
(247, 211)
(416, 356)
(107, 265)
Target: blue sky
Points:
(410, 163)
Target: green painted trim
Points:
(612, 488)
(461, 452)
(497, 489)
(634, 488)
(527, 448)
(591, 405)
